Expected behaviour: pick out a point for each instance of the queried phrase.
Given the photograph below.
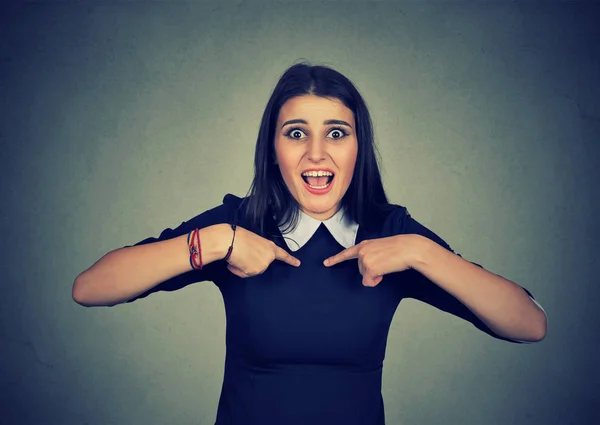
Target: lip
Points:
(319, 191)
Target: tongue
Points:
(317, 181)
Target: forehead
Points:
(315, 109)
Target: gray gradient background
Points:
(120, 119)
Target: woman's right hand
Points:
(252, 254)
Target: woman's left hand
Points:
(377, 257)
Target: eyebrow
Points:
(328, 122)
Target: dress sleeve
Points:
(216, 215)
(423, 289)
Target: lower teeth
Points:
(319, 187)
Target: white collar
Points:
(342, 228)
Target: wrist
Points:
(421, 251)
(215, 242)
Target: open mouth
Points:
(318, 180)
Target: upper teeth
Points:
(319, 173)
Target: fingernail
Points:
(326, 262)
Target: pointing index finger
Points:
(282, 255)
(344, 255)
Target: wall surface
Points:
(122, 118)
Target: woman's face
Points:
(316, 148)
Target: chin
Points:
(319, 206)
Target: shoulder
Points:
(235, 207)
(401, 222)
(233, 201)
(397, 213)
(227, 212)
(395, 220)
(387, 220)
(229, 204)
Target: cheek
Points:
(287, 160)
(286, 167)
(287, 175)
(350, 162)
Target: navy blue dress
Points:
(306, 345)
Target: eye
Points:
(337, 133)
(295, 133)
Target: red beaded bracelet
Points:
(195, 249)
(199, 265)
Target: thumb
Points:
(371, 281)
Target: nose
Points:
(316, 150)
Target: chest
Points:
(310, 314)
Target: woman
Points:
(312, 265)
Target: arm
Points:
(501, 304)
(125, 273)
(434, 274)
